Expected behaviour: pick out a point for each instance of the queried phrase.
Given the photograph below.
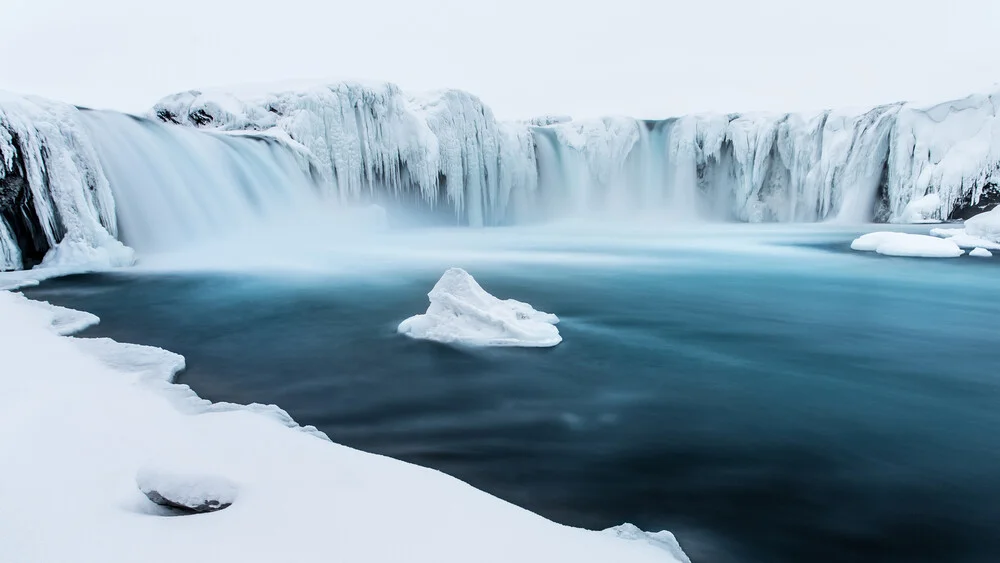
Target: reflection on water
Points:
(789, 405)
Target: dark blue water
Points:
(764, 408)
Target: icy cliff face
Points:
(447, 149)
(69, 178)
(54, 196)
(831, 165)
(746, 167)
(369, 141)
(950, 149)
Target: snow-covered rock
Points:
(906, 244)
(980, 232)
(462, 312)
(88, 428)
(923, 210)
(964, 239)
(980, 253)
(950, 149)
(187, 492)
(985, 225)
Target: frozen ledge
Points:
(462, 312)
(905, 244)
(91, 424)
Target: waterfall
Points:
(175, 186)
(75, 184)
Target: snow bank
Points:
(663, 539)
(981, 232)
(144, 361)
(985, 225)
(462, 312)
(906, 244)
(71, 420)
(981, 253)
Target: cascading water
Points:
(175, 186)
(745, 168)
(73, 180)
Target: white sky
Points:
(644, 58)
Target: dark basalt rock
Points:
(17, 208)
(966, 207)
(209, 505)
(188, 493)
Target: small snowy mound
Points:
(980, 253)
(905, 244)
(462, 312)
(191, 493)
(663, 539)
(924, 210)
(985, 225)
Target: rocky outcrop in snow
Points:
(187, 492)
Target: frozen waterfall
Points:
(174, 187)
(203, 165)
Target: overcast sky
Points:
(644, 58)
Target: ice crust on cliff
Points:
(369, 137)
(462, 312)
(45, 151)
(373, 143)
(828, 165)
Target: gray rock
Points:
(187, 492)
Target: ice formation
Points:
(69, 178)
(53, 190)
(985, 225)
(980, 232)
(906, 244)
(848, 166)
(980, 253)
(77, 482)
(372, 140)
(462, 312)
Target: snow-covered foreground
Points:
(77, 432)
(462, 312)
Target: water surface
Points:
(785, 402)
